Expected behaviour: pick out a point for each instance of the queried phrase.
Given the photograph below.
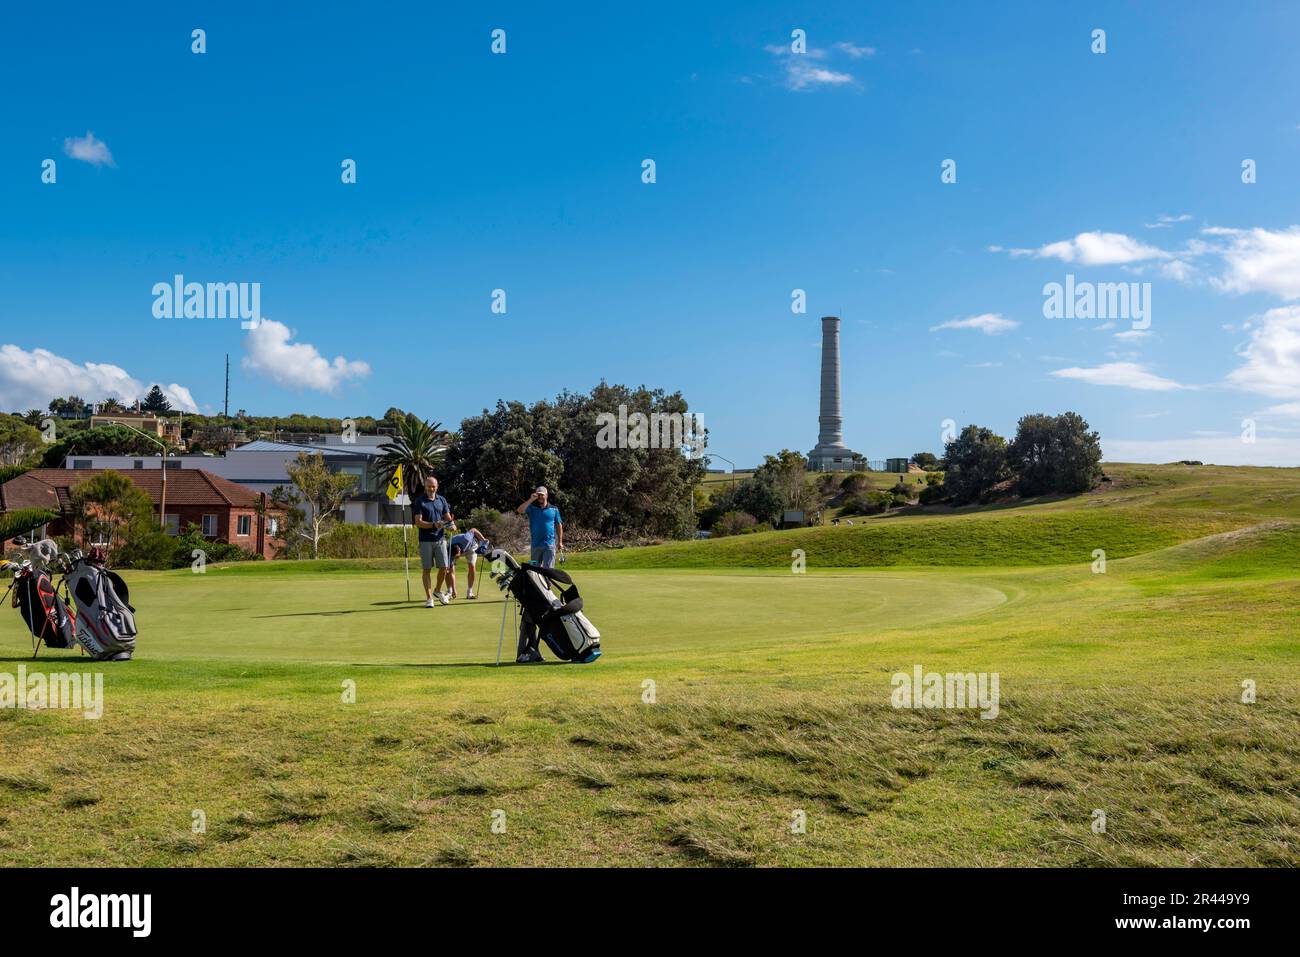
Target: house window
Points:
(139, 463)
(272, 527)
(82, 464)
(245, 526)
(172, 524)
(209, 526)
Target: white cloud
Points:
(854, 51)
(1096, 249)
(1129, 334)
(1259, 260)
(296, 365)
(1164, 222)
(29, 380)
(1272, 356)
(1129, 375)
(802, 74)
(1225, 450)
(88, 149)
(989, 323)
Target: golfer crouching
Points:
(432, 515)
(469, 545)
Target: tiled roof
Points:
(51, 488)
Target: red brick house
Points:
(227, 512)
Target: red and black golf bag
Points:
(46, 614)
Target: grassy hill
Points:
(1142, 509)
(731, 696)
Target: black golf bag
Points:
(45, 613)
(105, 619)
(557, 621)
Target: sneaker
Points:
(529, 658)
(444, 599)
(471, 594)
(428, 603)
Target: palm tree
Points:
(111, 405)
(417, 448)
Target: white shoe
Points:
(471, 593)
(428, 603)
(444, 599)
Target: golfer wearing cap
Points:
(546, 527)
(471, 545)
(432, 515)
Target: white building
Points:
(262, 465)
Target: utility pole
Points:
(225, 411)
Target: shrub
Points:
(734, 523)
(933, 493)
(869, 503)
(854, 482)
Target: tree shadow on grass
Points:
(413, 605)
(456, 664)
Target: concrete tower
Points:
(831, 454)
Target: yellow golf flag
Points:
(395, 487)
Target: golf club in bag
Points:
(103, 623)
(45, 613)
(557, 621)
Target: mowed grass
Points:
(729, 700)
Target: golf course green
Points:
(302, 713)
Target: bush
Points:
(854, 482)
(734, 523)
(350, 540)
(933, 493)
(869, 503)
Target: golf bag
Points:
(105, 619)
(46, 614)
(557, 621)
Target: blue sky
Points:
(775, 171)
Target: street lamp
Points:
(162, 505)
(715, 455)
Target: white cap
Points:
(540, 490)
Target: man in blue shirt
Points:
(545, 526)
(432, 516)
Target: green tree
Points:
(20, 443)
(108, 510)
(156, 402)
(417, 449)
(101, 440)
(111, 405)
(926, 460)
(70, 407)
(788, 473)
(312, 504)
(1055, 454)
(975, 462)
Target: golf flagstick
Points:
(406, 557)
